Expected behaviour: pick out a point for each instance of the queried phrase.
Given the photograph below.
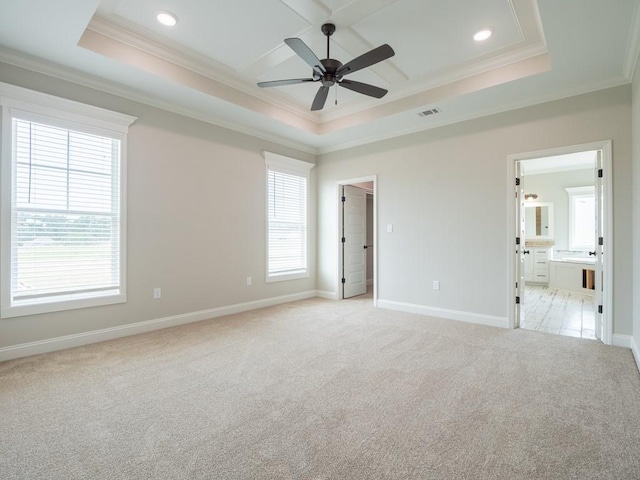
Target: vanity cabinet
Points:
(536, 265)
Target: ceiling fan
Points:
(330, 72)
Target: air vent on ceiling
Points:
(431, 111)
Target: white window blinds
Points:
(65, 212)
(287, 223)
(62, 204)
(287, 196)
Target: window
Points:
(287, 195)
(62, 206)
(582, 218)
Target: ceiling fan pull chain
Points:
(336, 94)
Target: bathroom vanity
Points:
(536, 264)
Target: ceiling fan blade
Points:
(306, 54)
(278, 83)
(364, 88)
(366, 60)
(321, 97)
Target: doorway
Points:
(357, 238)
(561, 266)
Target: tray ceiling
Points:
(209, 63)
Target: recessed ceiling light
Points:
(167, 18)
(483, 34)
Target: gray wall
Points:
(197, 214)
(550, 187)
(196, 218)
(446, 193)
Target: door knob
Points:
(365, 246)
(526, 252)
(592, 253)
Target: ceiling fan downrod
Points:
(328, 29)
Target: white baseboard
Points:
(95, 336)
(468, 317)
(621, 340)
(635, 348)
(329, 295)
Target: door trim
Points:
(605, 146)
(338, 243)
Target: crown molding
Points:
(66, 74)
(69, 75)
(633, 46)
(612, 83)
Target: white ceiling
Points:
(207, 65)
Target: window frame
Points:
(576, 193)
(290, 166)
(29, 105)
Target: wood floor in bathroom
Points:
(559, 312)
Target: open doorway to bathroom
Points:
(561, 219)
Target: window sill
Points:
(67, 302)
(287, 276)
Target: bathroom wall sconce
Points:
(530, 197)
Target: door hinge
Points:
(599, 308)
(516, 284)
(517, 240)
(344, 199)
(344, 281)
(517, 181)
(517, 300)
(344, 239)
(600, 241)
(599, 173)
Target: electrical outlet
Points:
(390, 228)
(249, 281)
(436, 285)
(157, 293)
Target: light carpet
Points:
(320, 389)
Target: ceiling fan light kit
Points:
(330, 72)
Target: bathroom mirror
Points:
(538, 220)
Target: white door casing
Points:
(354, 234)
(604, 284)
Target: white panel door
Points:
(354, 235)
(599, 249)
(519, 247)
